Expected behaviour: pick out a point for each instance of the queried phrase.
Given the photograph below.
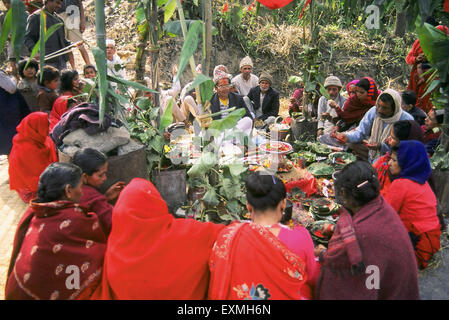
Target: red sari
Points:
(416, 82)
(32, 151)
(249, 262)
(354, 109)
(94, 201)
(59, 108)
(152, 255)
(50, 238)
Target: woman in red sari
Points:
(357, 105)
(70, 87)
(95, 165)
(58, 247)
(32, 151)
(417, 59)
(152, 255)
(262, 259)
(413, 199)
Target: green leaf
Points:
(48, 34)
(433, 86)
(157, 143)
(206, 85)
(229, 122)
(128, 83)
(140, 15)
(323, 92)
(100, 60)
(167, 117)
(206, 162)
(189, 47)
(161, 3)
(211, 198)
(42, 30)
(233, 206)
(19, 16)
(294, 79)
(6, 28)
(236, 169)
(174, 27)
(169, 10)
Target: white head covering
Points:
(6, 83)
(246, 62)
(109, 42)
(378, 133)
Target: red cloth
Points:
(427, 245)
(429, 134)
(250, 262)
(275, 4)
(446, 6)
(94, 201)
(308, 185)
(416, 83)
(49, 238)
(152, 255)
(415, 203)
(59, 108)
(32, 151)
(381, 166)
(385, 244)
(354, 109)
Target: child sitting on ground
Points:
(89, 71)
(47, 88)
(95, 165)
(28, 86)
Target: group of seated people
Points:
(125, 244)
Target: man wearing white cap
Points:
(245, 80)
(114, 63)
(326, 113)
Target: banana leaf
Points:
(189, 47)
(174, 27)
(229, 122)
(128, 83)
(37, 46)
(169, 10)
(42, 31)
(6, 28)
(206, 162)
(167, 117)
(435, 45)
(206, 87)
(320, 169)
(19, 16)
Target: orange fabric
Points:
(152, 255)
(59, 108)
(249, 262)
(31, 153)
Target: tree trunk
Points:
(400, 24)
(141, 55)
(208, 33)
(154, 51)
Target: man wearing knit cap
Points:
(326, 113)
(245, 80)
(264, 98)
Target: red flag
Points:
(275, 4)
